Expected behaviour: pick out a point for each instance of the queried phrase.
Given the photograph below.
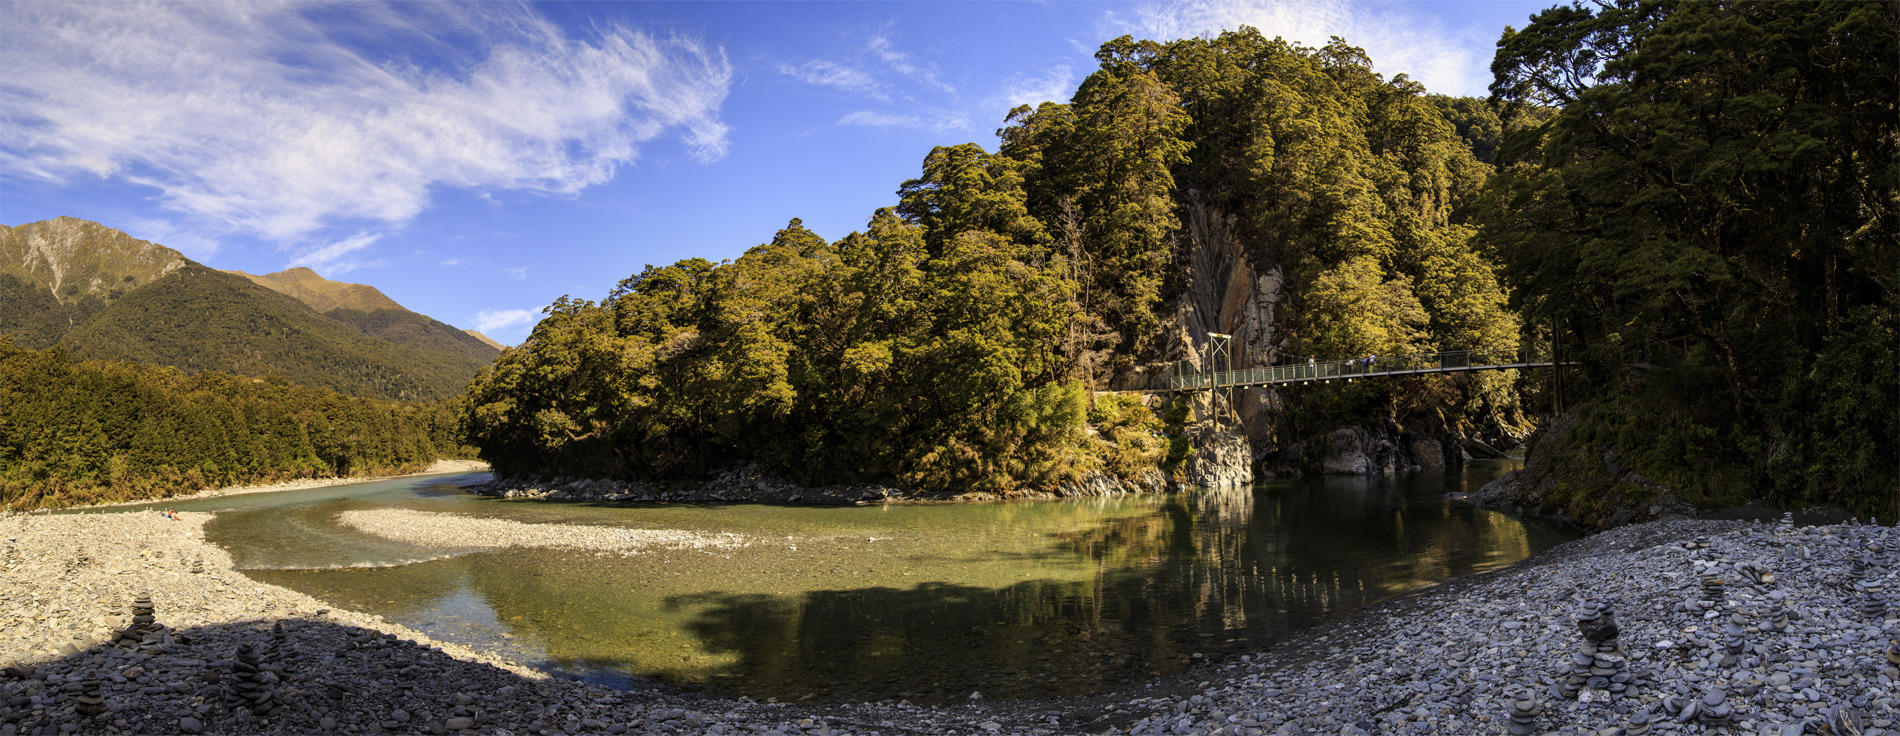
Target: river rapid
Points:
(930, 603)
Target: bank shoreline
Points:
(1440, 660)
(439, 467)
(748, 484)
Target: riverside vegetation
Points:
(1691, 194)
(1709, 218)
(105, 431)
(955, 341)
(1698, 196)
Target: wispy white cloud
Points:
(451, 262)
(1445, 60)
(194, 244)
(1055, 84)
(328, 258)
(832, 74)
(936, 121)
(879, 71)
(520, 272)
(277, 120)
(504, 320)
(925, 74)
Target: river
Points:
(929, 603)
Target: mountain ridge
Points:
(323, 294)
(102, 294)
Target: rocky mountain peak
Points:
(73, 258)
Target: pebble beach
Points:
(133, 623)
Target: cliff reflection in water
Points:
(1204, 572)
(930, 603)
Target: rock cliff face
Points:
(1230, 287)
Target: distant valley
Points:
(102, 294)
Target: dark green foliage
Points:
(1715, 205)
(950, 344)
(101, 431)
(1356, 186)
(199, 319)
(1720, 172)
(867, 359)
(32, 315)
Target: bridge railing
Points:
(1448, 360)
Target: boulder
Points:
(1220, 459)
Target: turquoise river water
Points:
(930, 602)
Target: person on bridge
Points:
(1370, 361)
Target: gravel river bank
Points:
(453, 531)
(1719, 627)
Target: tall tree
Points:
(1724, 173)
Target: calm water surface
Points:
(930, 603)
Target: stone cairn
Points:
(1871, 600)
(1598, 669)
(144, 632)
(1778, 616)
(245, 688)
(1638, 724)
(1734, 635)
(1522, 711)
(276, 652)
(197, 567)
(1714, 592)
(92, 700)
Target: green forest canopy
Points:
(1717, 172)
(104, 431)
(1715, 204)
(951, 343)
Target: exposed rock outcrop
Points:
(73, 258)
(1229, 287)
(749, 484)
(1220, 459)
(1588, 487)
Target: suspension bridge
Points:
(1182, 377)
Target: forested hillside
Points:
(201, 319)
(375, 314)
(1712, 216)
(956, 340)
(97, 431)
(102, 294)
(1700, 196)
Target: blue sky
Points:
(476, 161)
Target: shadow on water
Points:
(1023, 600)
(1210, 572)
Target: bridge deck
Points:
(1459, 361)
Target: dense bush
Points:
(1711, 216)
(102, 431)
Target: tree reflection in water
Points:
(1208, 571)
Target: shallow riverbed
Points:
(929, 603)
